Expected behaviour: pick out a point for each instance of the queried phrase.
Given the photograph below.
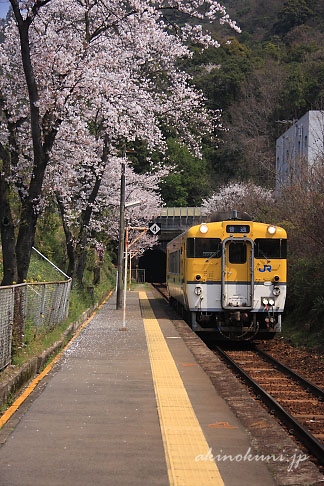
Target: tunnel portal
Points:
(172, 222)
(154, 263)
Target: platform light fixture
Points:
(133, 204)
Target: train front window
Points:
(237, 252)
(204, 248)
(270, 248)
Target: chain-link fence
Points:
(41, 304)
(48, 303)
(7, 299)
(138, 275)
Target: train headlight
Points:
(265, 301)
(203, 228)
(276, 291)
(272, 229)
(271, 302)
(198, 290)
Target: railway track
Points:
(162, 289)
(297, 402)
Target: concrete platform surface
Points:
(111, 415)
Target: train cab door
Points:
(238, 273)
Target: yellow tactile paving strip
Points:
(182, 435)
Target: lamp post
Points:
(121, 238)
(121, 247)
(123, 328)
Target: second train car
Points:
(230, 277)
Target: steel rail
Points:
(157, 286)
(312, 444)
(316, 390)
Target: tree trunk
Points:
(96, 275)
(7, 229)
(68, 236)
(83, 235)
(25, 240)
(7, 237)
(18, 318)
(29, 213)
(29, 204)
(86, 217)
(81, 258)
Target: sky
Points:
(4, 6)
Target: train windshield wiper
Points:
(263, 254)
(212, 255)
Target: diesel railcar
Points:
(230, 277)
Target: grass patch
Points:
(37, 342)
(42, 271)
(300, 334)
(39, 270)
(140, 286)
(10, 400)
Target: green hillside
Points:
(267, 77)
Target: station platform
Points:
(128, 407)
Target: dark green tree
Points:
(189, 182)
(293, 13)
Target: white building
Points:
(302, 143)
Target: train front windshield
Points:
(204, 248)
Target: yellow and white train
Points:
(230, 277)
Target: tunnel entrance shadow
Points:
(154, 263)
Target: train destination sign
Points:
(237, 228)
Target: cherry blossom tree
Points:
(101, 67)
(88, 194)
(243, 196)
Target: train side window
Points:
(204, 248)
(237, 252)
(191, 248)
(270, 248)
(174, 262)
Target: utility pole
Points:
(121, 247)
